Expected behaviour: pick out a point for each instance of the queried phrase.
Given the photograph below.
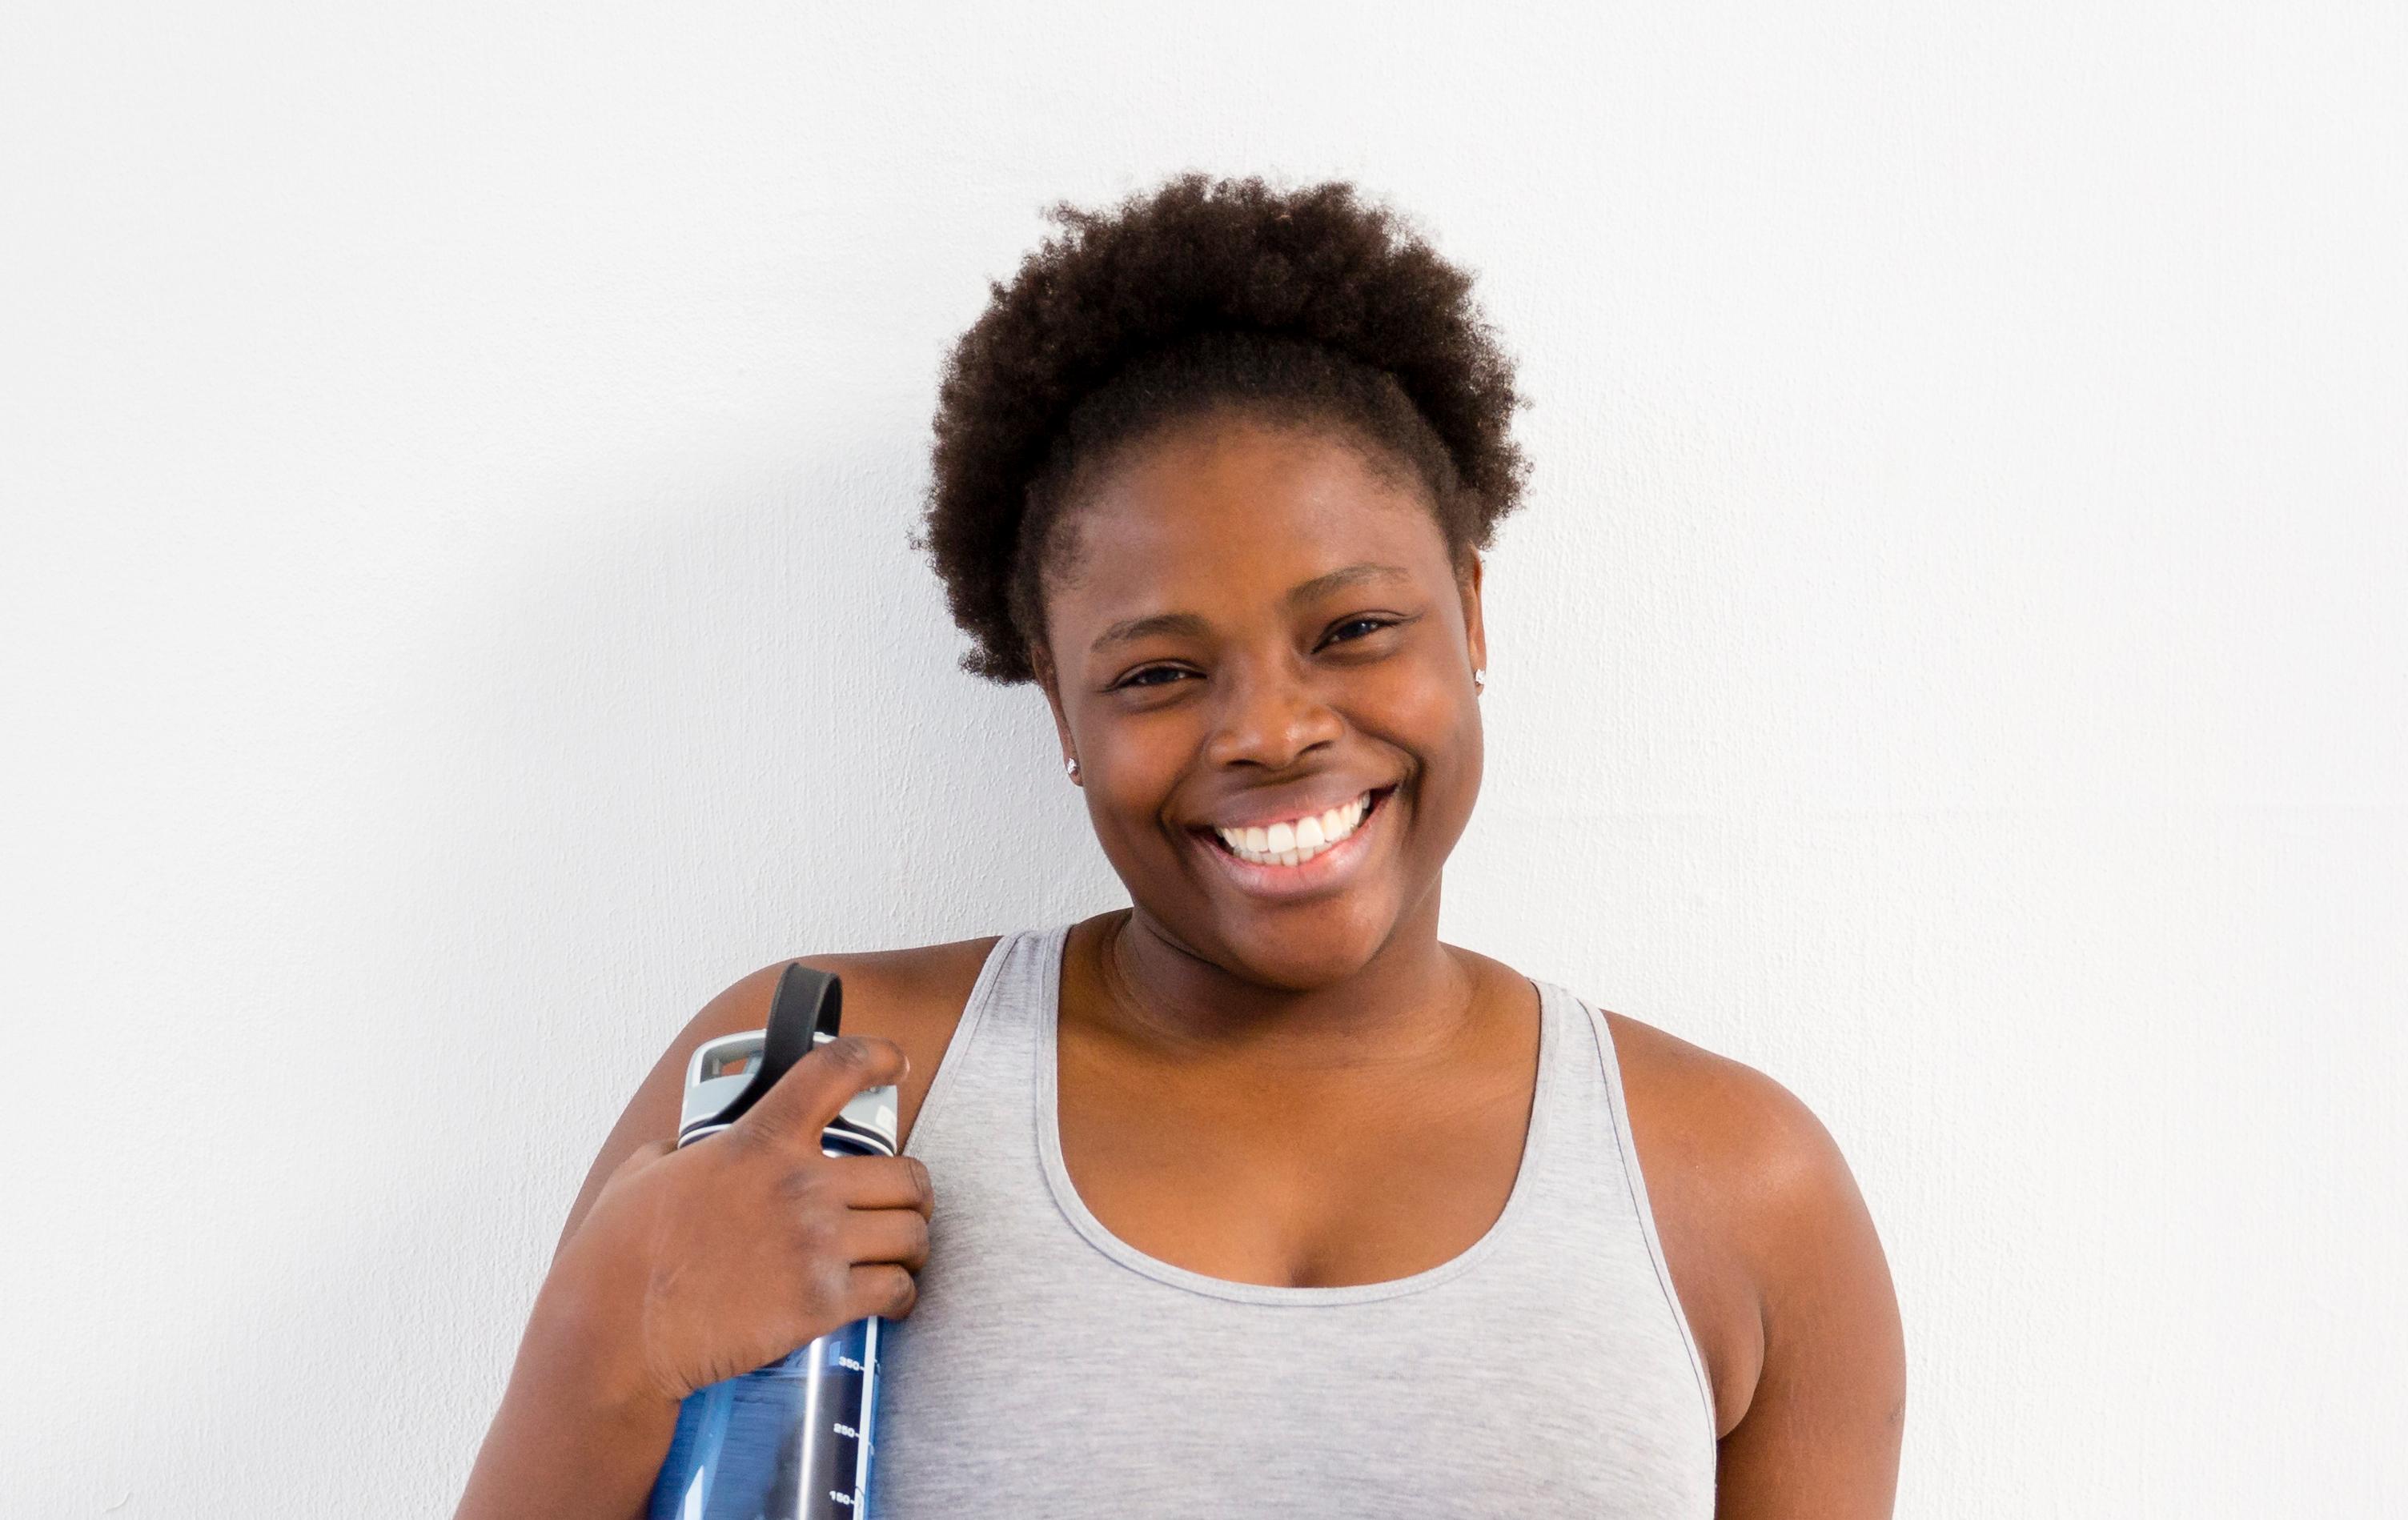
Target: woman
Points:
(1252, 1194)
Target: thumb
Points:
(815, 1088)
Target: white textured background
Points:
(455, 616)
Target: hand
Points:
(701, 1263)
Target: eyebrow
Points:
(1131, 629)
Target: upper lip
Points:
(1262, 814)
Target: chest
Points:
(1293, 1180)
(1053, 1367)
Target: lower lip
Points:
(1331, 868)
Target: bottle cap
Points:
(726, 1076)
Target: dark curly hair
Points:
(1301, 304)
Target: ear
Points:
(1040, 660)
(1475, 634)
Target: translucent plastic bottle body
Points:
(789, 1441)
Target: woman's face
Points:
(1256, 625)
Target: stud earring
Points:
(1480, 677)
(1071, 765)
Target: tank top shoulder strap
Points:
(1600, 1145)
(982, 1081)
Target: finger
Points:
(815, 1088)
(883, 1289)
(880, 1182)
(895, 1235)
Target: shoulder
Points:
(1765, 1148)
(1756, 1205)
(914, 996)
(905, 995)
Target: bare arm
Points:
(569, 1439)
(676, 1269)
(1822, 1431)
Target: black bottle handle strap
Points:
(808, 1002)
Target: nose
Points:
(1271, 715)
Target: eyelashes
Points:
(1135, 678)
(1375, 623)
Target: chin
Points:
(1299, 950)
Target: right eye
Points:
(1136, 678)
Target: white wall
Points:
(455, 616)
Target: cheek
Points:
(1129, 812)
(1414, 708)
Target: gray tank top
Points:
(1051, 1368)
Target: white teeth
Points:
(1296, 841)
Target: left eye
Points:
(1375, 623)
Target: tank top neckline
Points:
(1051, 946)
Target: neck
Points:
(1411, 1001)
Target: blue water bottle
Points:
(791, 1441)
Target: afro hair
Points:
(1309, 305)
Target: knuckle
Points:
(740, 1139)
(756, 1139)
(828, 1280)
(806, 1184)
(819, 1233)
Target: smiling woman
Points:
(1252, 1195)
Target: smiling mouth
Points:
(1279, 847)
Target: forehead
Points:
(1238, 510)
